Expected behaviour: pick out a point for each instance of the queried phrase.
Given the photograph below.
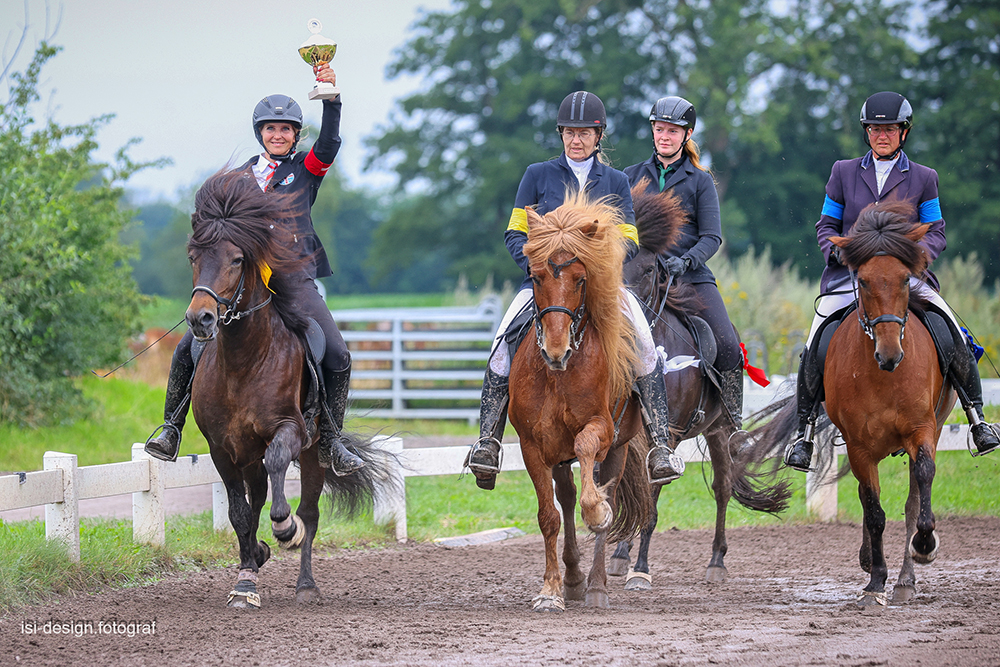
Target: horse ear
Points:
(918, 231)
(839, 241)
(590, 229)
(533, 218)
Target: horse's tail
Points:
(350, 494)
(757, 488)
(632, 497)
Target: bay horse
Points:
(251, 386)
(696, 406)
(569, 394)
(884, 389)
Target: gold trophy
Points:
(316, 51)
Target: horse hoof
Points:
(873, 598)
(638, 581)
(618, 567)
(307, 595)
(598, 599)
(263, 553)
(903, 594)
(575, 592)
(603, 519)
(552, 603)
(927, 556)
(716, 574)
(296, 538)
(243, 601)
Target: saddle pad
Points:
(706, 339)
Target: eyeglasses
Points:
(584, 134)
(887, 130)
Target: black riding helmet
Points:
(887, 108)
(676, 111)
(278, 109)
(582, 109)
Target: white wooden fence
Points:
(62, 484)
(419, 363)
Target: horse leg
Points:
(313, 478)
(287, 529)
(244, 595)
(597, 581)
(620, 560)
(722, 489)
(573, 588)
(906, 585)
(874, 519)
(550, 598)
(256, 487)
(639, 578)
(924, 544)
(594, 506)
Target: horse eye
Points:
(580, 282)
(190, 259)
(237, 261)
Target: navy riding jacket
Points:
(701, 236)
(544, 186)
(852, 186)
(301, 176)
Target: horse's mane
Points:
(886, 228)
(588, 229)
(659, 217)
(230, 206)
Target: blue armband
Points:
(833, 209)
(930, 211)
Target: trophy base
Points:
(324, 92)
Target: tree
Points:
(775, 87)
(957, 124)
(67, 299)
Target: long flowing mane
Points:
(659, 217)
(886, 228)
(570, 228)
(230, 206)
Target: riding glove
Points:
(677, 265)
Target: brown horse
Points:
(252, 384)
(696, 406)
(569, 395)
(879, 403)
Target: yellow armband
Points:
(630, 232)
(519, 221)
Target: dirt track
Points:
(788, 601)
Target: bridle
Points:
(575, 330)
(230, 314)
(867, 323)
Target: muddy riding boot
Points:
(331, 445)
(167, 444)
(798, 455)
(663, 463)
(484, 456)
(732, 395)
(985, 436)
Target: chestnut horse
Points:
(884, 388)
(570, 394)
(696, 406)
(252, 385)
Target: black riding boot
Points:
(332, 452)
(167, 444)
(664, 465)
(986, 436)
(484, 457)
(798, 455)
(732, 394)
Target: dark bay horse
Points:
(569, 394)
(884, 388)
(696, 406)
(252, 385)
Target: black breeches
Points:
(337, 357)
(713, 311)
(182, 354)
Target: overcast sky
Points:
(185, 75)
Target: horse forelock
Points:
(884, 228)
(659, 217)
(588, 230)
(231, 207)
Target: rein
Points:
(575, 330)
(230, 313)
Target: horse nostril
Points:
(207, 320)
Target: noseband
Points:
(230, 313)
(575, 331)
